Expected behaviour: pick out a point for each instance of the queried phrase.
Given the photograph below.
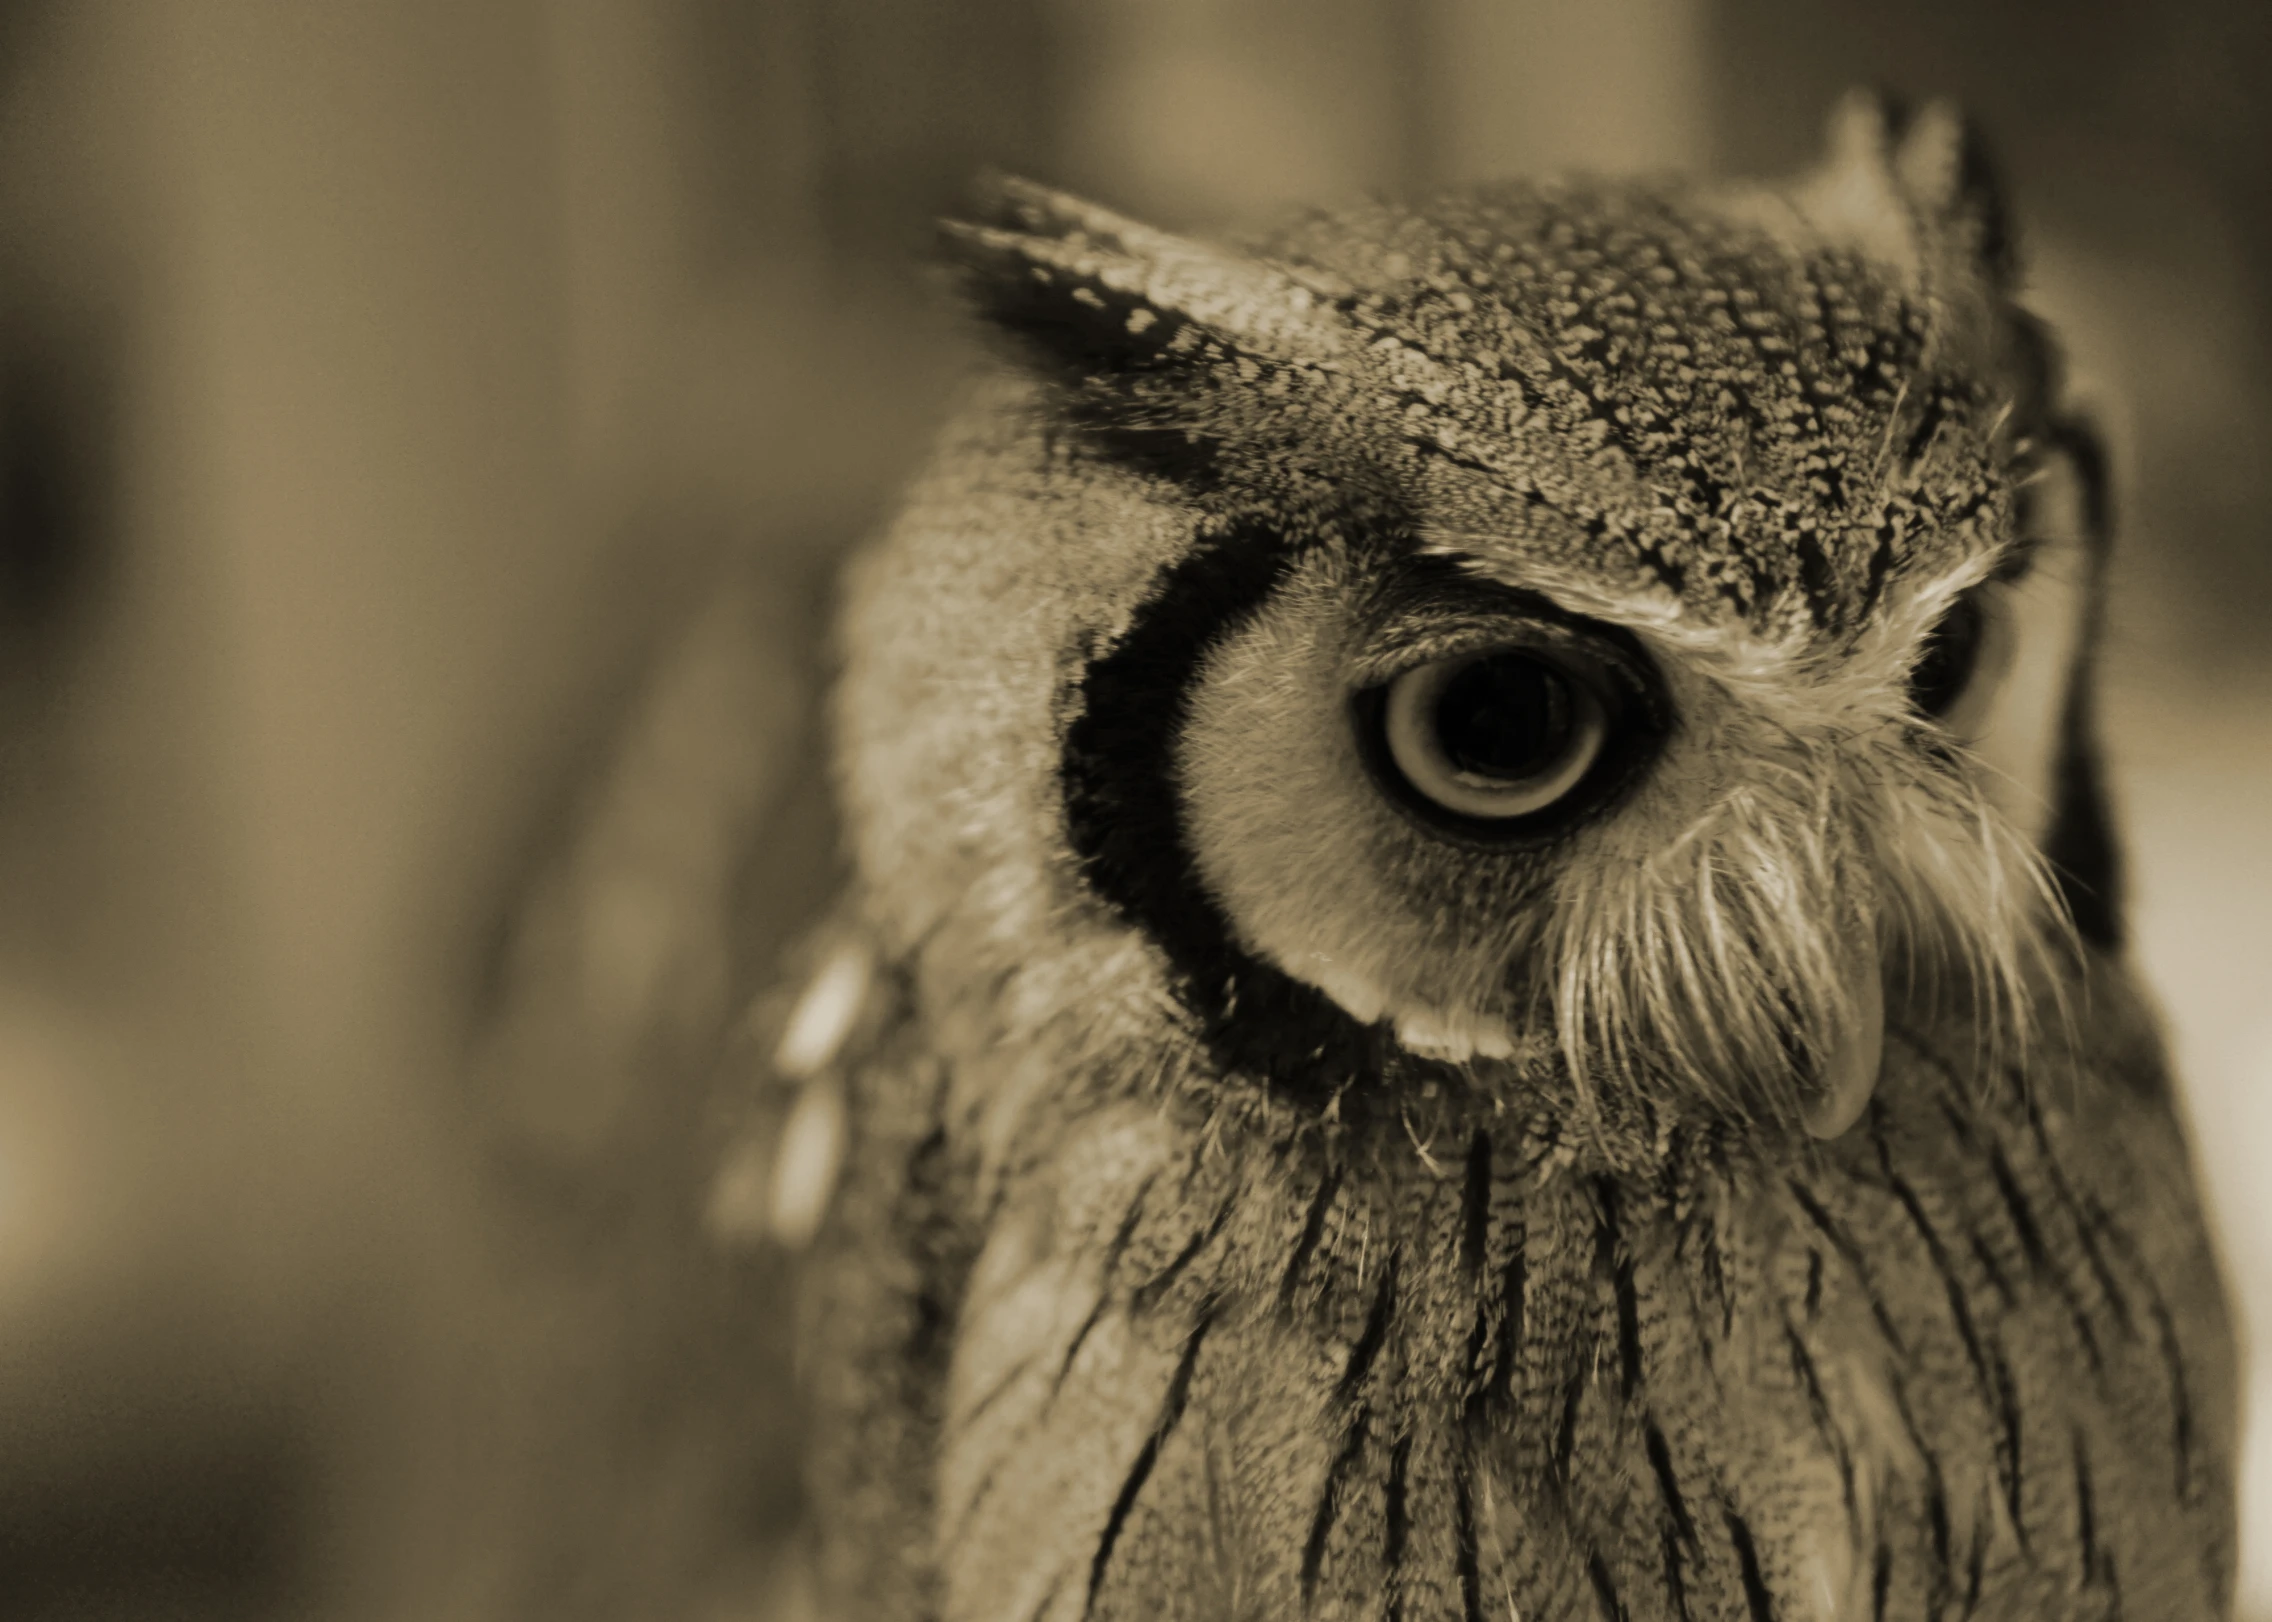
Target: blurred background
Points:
(427, 432)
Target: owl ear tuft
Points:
(1088, 291)
(1943, 164)
(1911, 187)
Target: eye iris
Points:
(1495, 737)
(1505, 718)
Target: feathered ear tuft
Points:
(1088, 291)
(1914, 189)
(1942, 161)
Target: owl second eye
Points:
(1961, 663)
(1949, 659)
(1498, 735)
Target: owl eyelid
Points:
(2036, 533)
(2018, 557)
(1409, 647)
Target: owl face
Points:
(1609, 646)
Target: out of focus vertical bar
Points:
(364, 376)
(358, 450)
(618, 95)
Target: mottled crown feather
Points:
(1758, 398)
(1092, 291)
(1157, 344)
(1093, 294)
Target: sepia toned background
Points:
(427, 429)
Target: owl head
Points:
(1601, 647)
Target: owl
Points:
(1484, 976)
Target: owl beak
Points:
(1851, 1075)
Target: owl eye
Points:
(1496, 735)
(1949, 662)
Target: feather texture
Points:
(1266, 1197)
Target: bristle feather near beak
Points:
(1857, 1052)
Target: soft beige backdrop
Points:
(466, 400)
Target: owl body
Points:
(1497, 988)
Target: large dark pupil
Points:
(1507, 716)
(1944, 668)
